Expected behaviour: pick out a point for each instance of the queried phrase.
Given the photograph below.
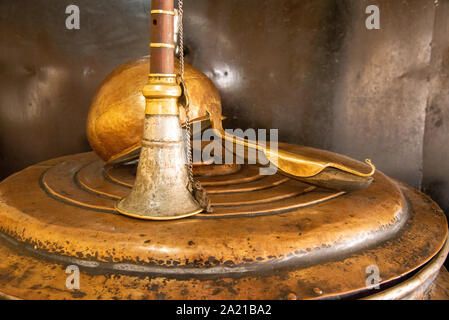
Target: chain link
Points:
(197, 190)
(187, 107)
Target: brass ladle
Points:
(317, 167)
(311, 165)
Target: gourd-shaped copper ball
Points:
(115, 120)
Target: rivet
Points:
(291, 296)
(317, 291)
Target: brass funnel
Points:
(160, 191)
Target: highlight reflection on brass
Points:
(296, 164)
(171, 13)
(162, 45)
(302, 163)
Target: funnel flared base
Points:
(149, 217)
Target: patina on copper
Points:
(269, 237)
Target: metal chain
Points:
(181, 60)
(181, 36)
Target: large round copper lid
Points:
(269, 237)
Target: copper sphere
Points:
(115, 120)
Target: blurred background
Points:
(309, 68)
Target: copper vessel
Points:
(116, 116)
(268, 237)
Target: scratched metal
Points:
(315, 251)
(339, 86)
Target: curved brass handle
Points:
(357, 173)
(292, 163)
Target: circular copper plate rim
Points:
(412, 288)
(419, 241)
(415, 286)
(387, 226)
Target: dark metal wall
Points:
(309, 68)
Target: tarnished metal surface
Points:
(359, 92)
(436, 148)
(49, 74)
(418, 286)
(308, 164)
(439, 290)
(309, 68)
(313, 60)
(317, 251)
(160, 191)
(242, 193)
